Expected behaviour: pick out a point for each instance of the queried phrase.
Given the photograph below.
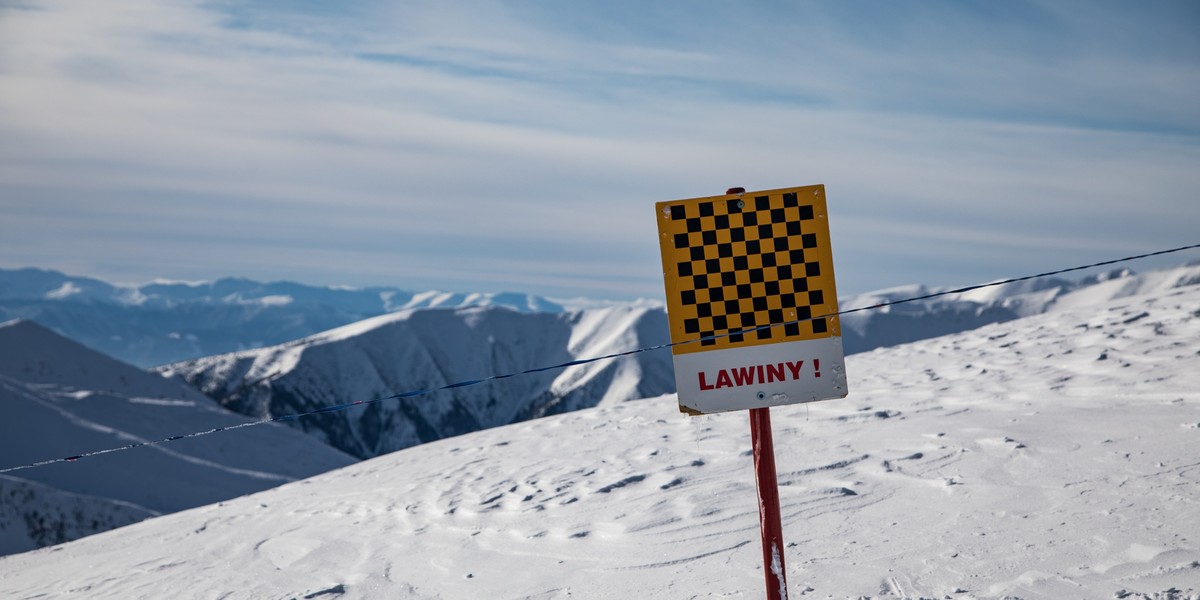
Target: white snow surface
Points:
(1048, 457)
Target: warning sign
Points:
(751, 299)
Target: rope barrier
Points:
(582, 361)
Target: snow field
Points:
(1049, 457)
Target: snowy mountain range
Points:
(424, 349)
(1052, 456)
(165, 321)
(60, 398)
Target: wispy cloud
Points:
(490, 145)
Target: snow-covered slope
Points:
(58, 398)
(1043, 458)
(34, 515)
(427, 349)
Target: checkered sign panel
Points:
(751, 300)
(735, 264)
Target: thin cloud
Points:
(396, 143)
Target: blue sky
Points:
(486, 146)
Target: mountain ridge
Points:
(166, 321)
(431, 348)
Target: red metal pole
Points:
(769, 520)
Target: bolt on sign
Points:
(751, 300)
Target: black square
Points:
(678, 212)
(750, 219)
(775, 316)
(700, 282)
(819, 326)
(747, 319)
(809, 240)
(706, 209)
(760, 303)
(806, 212)
(720, 323)
(762, 202)
(764, 333)
(709, 237)
(736, 337)
(685, 269)
(724, 250)
(741, 263)
(707, 340)
(691, 325)
(716, 294)
(768, 260)
(696, 252)
(789, 200)
(812, 269)
(744, 291)
(793, 228)
(693, 225)
(731, 206)
(728, 279)
(712, 265)
(681, 240)
(753, 247)
(772, 288)
(765, 232)
(731, 307)
(737, 234)
(816, 297)
(688, 297)
(721, 221)
(787, 301)
(783, 272)
(704, 310)
(800, 285)
(777, 215)
(803, 313)
(781, 244)
(796, 256)
(791, 329)
(757, 276)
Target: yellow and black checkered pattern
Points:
(741, 261)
